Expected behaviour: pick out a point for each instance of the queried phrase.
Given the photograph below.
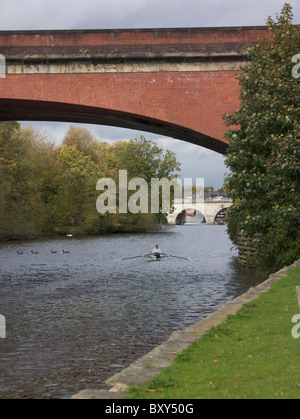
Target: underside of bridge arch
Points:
(218, 215)
(180, 218)
(184, 216)
(27, 110)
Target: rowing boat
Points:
(153, 258)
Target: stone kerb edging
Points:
(150, 365)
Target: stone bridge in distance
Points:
(209, 208)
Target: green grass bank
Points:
(251, 355)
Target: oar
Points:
(178, 257)
(152, 255)
(132, 257)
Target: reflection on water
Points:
(75, 319)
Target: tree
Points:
(264, 147)
(74, 204)
(46, 190)
(86, 143)
(143, 158)
(25, 158)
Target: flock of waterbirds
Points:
(53, 252)
(37, 253)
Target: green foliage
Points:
(74, 202)
(47, 190)
(25, 161)
(264, 147)
(144, 159)
(83, 140)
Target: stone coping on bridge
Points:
(135, 30)
(150, 365)
(169, 43)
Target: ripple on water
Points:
(75, 320)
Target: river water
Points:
(75, 319)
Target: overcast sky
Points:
(111, 14)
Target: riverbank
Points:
(75, 319)
(246, 350)
(249, 355)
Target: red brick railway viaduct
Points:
(175, 82)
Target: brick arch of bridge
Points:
(179, 105)
(176, 81)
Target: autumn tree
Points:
(264, 147)
(145, 159)
(86, 143)
(74, 207)
(46, 189)
(26, 156)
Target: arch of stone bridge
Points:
(212, 209)
(209, 210)
(180, 217)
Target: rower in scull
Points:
(157, 252)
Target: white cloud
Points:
(98, 14)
